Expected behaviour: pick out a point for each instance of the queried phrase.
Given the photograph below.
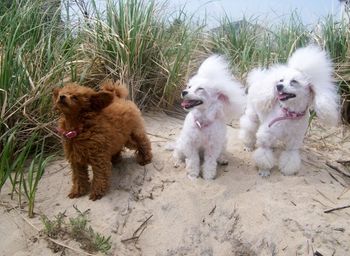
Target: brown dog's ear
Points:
(100, 100)
(55, 93)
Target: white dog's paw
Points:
(209, 175)
(222, 161)
(248, 148)
(264, 173)
(289, 162)
(192, 176)
(177, 163)
(289, 172)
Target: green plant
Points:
(53, 228)
(77, 228)
(31, 179)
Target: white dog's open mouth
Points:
(285, 96)
(187, 104)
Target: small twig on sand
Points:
(136, 236)
(7, 206)
(212, 210)
(344, 192)
(325, 196)
(332, 176)
(313, 199)
(344, 162)
(159, 136)
(337, 208)
(339, 169)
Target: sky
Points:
(267, 12)
(270, 11)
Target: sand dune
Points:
(239, 213)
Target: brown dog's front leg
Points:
(102, 171)
(80, 179)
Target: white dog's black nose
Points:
(279, 87)
(184, 93)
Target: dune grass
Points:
(152, 49)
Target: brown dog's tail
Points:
(117, 88)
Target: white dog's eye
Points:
(199, 88)
(293, 82)
(281, 80)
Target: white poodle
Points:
(212, 97)
(278, 106)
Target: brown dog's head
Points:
(76, 99)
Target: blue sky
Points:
(266, 11)
(270, 11)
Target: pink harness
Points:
(288, 115)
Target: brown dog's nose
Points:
(62, 98)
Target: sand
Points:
(238, 213)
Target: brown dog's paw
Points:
(117, 158)
(98, 191)
(95, 196)
(74, 194)
(78, 191)
(143, 159)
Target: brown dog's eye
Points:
(75, 98)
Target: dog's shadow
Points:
(126, 173)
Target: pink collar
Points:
(288, 115)
(69, 134)
(201, 125)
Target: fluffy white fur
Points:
(308, 76)
(212, 97)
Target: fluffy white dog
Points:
(278, 104)
(211, 97)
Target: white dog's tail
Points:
(216, 69)
(317, 66)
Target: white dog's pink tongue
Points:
(281, 95)
(185, 103)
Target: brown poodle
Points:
(95, 127)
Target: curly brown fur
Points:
(117, 88)
(104, 126)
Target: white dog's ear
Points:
(316, 65)
(223, 98)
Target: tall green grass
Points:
(33, 57)
(151, 48)
(136, 43)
